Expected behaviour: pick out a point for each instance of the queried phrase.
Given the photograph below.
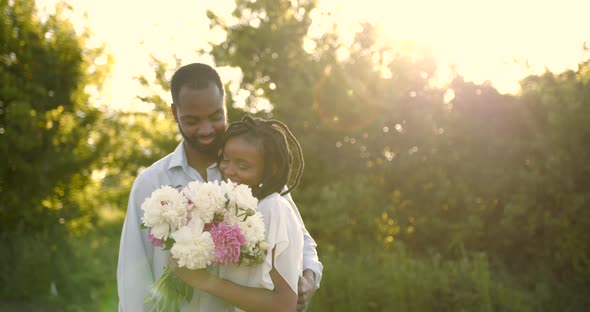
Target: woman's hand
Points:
(200, 279)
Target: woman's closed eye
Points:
(239, 165)
(243, 167)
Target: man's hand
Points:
(305, 289)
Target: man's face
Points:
(201, 118)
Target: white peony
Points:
(196, 225)
(241, 195)
(227, 186)
(164, 211)
(253, 229)
(263, 246)
(230, 215)
(160, 231)
(241, 202)
(192, 249)
(207, 199)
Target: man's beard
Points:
(193, 142)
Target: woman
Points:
(256, 152)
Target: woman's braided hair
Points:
(274, 137)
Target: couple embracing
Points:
(254, 152)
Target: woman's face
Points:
(242, 162)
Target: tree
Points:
(49, 139)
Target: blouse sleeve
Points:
(284, 235)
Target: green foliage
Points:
(371, 280)
(49, 139)
(396, 281)
(343, 213)
(48, 128)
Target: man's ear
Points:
(174, 113)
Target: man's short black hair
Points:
(197, 76)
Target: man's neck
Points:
(199, 160)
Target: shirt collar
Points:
(179, 158)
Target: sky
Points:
(500, 41)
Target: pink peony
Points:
(227, 240)
(156, 242)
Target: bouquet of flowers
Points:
(202, 224)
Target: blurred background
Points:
(447, 143)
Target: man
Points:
(199, 110)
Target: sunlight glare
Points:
(500, 41)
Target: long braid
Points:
(274, 136)
(290, 137)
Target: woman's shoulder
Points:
(274, 203)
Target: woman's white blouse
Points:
(284, 235)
